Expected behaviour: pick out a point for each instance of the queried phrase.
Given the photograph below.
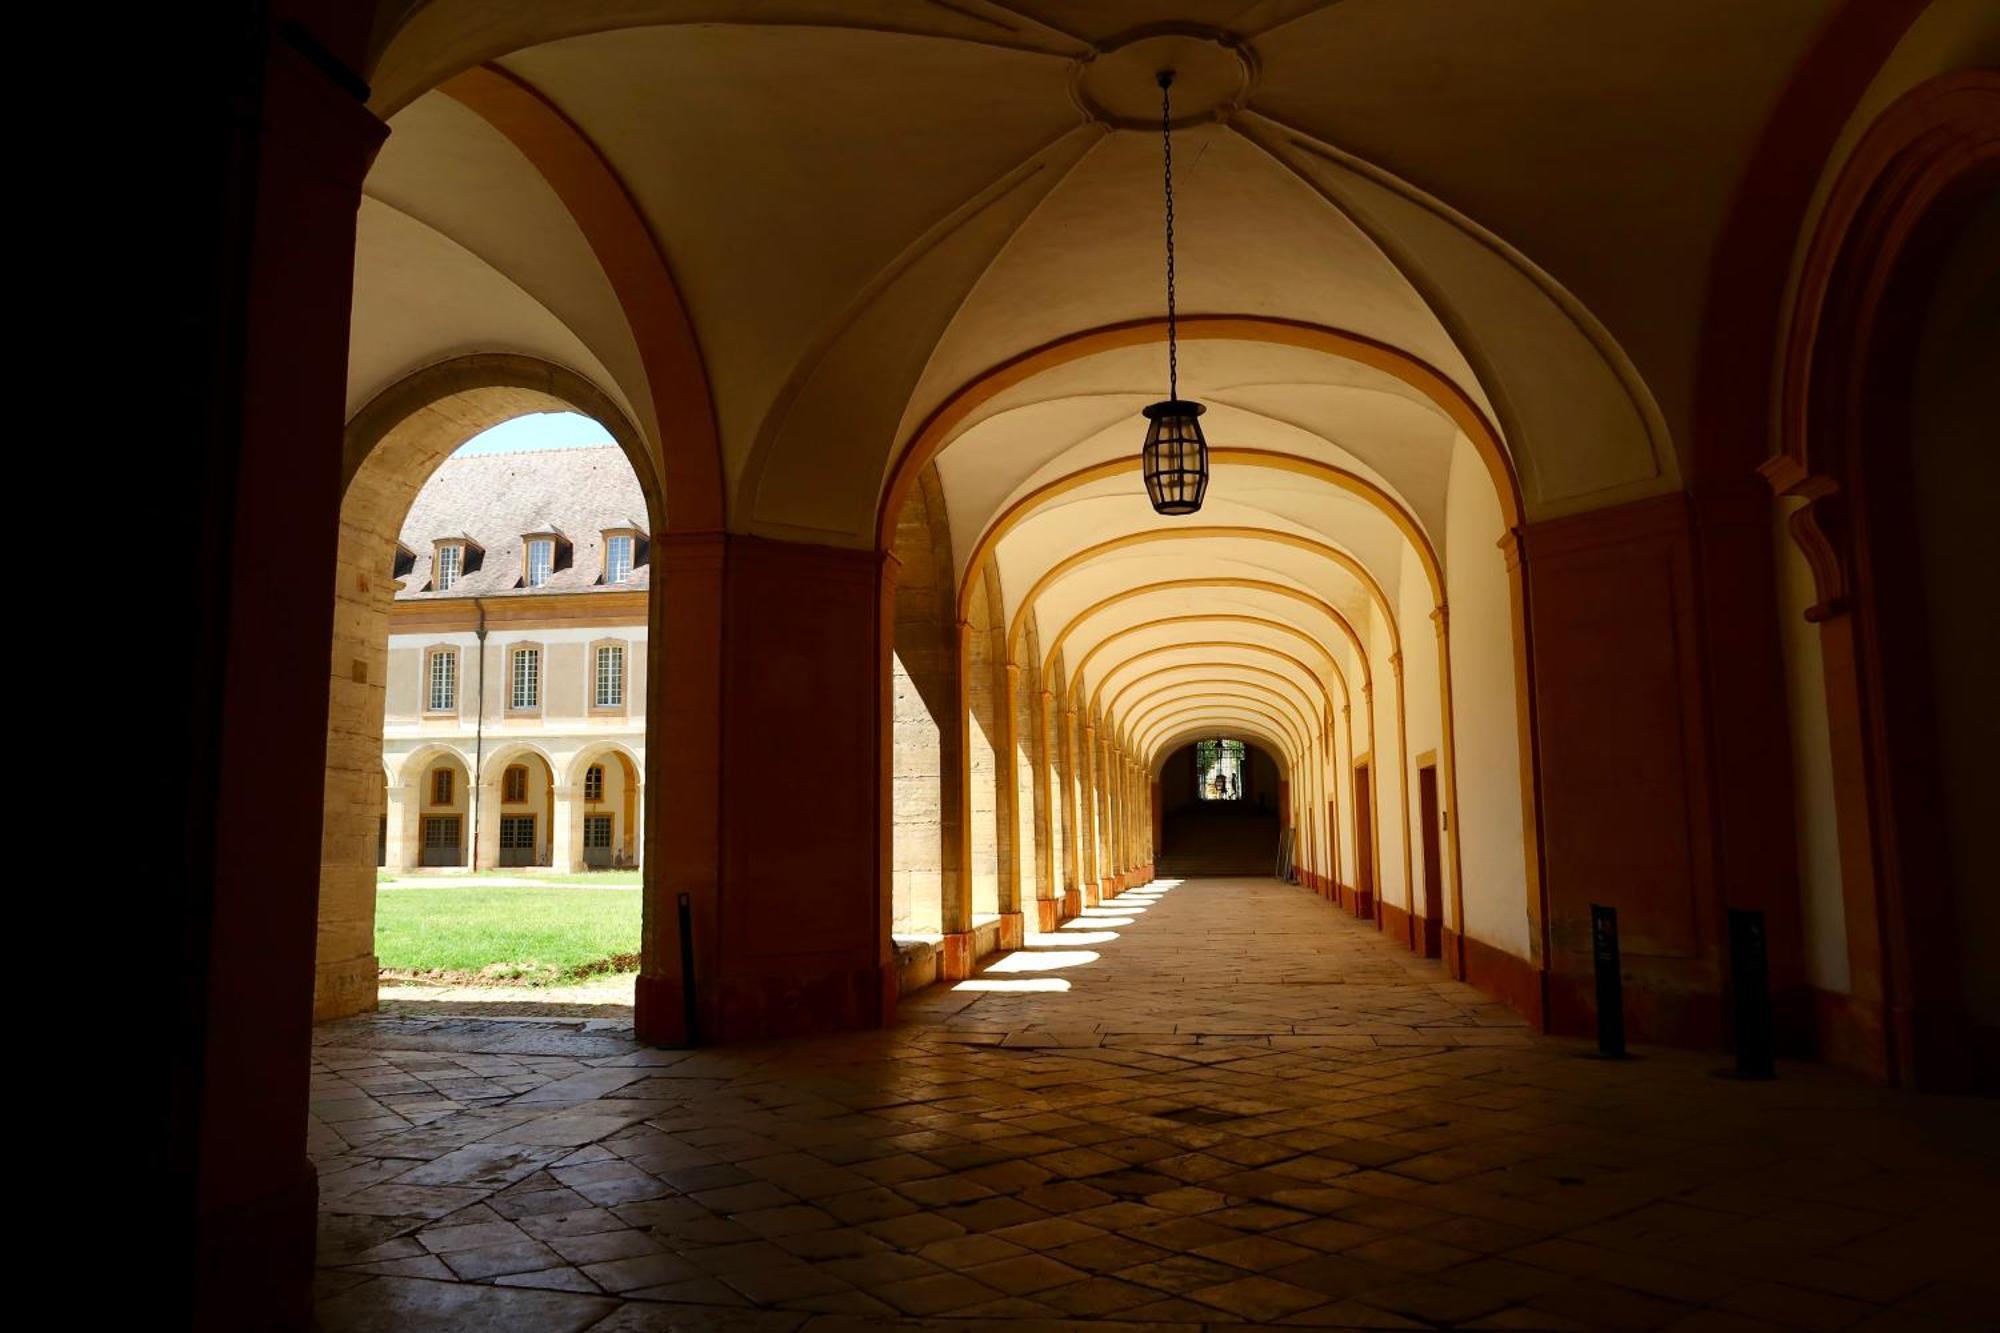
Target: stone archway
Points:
(1884, 418)
(391, 448)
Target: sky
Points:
(538, 430)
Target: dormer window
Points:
(451, 560)
(618, 557)
(406, 560)
(541, 561)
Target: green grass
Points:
(467, 930)
(597, 879)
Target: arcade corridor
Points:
(1202, 1102)
(1554, 435)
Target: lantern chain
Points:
(1167, 140)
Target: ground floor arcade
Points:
(1199, 1102)
(564, 803)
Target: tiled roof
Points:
(496, 498)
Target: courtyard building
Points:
(1187, 604)
(514, 730)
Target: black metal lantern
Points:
(1175, 459)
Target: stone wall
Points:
(925, 738)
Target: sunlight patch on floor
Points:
(1013, 985)
(1037, 940)
(1046, 960)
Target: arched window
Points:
(514, 784)
(593, 783)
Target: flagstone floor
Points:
(1213, 1103)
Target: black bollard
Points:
(1750, 979)
(687, 968)
(1610, 982)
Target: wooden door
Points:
(1364, 841)
(444, 843)
(1432, 939)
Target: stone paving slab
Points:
(1237, 1107)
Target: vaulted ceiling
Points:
(869, 205)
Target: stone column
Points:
(404, 825)
(958, 952)
(1115, 782)
(566, 830)
(1404, 781)
(787, 649)
(684, 716)
(1007, 792)
(272, 144)
(1072, 816)
(1119, 860)
(1093, 871)
(1113, 761)
(1132, 821)
(1149, 792)
(1048, 902)
(1114, 845)
(1132, 830)
(1122, 844)
(639, 823)
(487, 833)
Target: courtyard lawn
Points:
(463, 930)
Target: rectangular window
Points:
(517, 832)
(514, 786)
(444, 682)
(610, 676)
(451, 563)
(527, 688)
(618, 560)
(441, 786)
(541, 562)
(593, 783)
(597, 832)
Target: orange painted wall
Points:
(1625, 789)
(799, 931)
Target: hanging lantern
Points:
(1175, 459)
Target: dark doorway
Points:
(1364, 842)
(1431, 941)
(1217, 814)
